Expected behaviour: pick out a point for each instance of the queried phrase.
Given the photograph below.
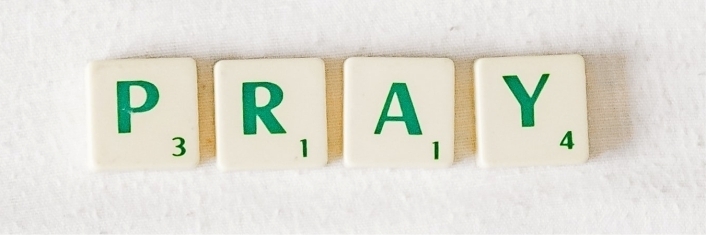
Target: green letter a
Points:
(409, 116)
(526, 102)
(251, 111)
(125, 110)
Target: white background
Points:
(646, 71)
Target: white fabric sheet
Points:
(646, 71)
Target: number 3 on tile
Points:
(567, 140)
(180, 146)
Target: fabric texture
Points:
(646, 73)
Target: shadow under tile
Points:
(334, 107)
(464, 109)
(609, 123)
(207, 129)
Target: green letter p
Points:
(125, 110)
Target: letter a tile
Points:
(398, 112)
(143, 114)
(270, 114)
(531, 111)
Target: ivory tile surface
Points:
(143, 114)
(398, 112)
(531, 111)
(270, 114)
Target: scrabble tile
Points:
(270, 114)
(143, 114)
(531, 111)
(398, 112)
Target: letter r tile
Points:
(398, 112)
(270, 114)
(531, 111)
(143, 114)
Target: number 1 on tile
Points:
(436, 150)
(303, 147)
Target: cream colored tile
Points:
(270, 114)
(531, 111)
(398, 112)
(143, 114)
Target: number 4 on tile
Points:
(567, 141)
